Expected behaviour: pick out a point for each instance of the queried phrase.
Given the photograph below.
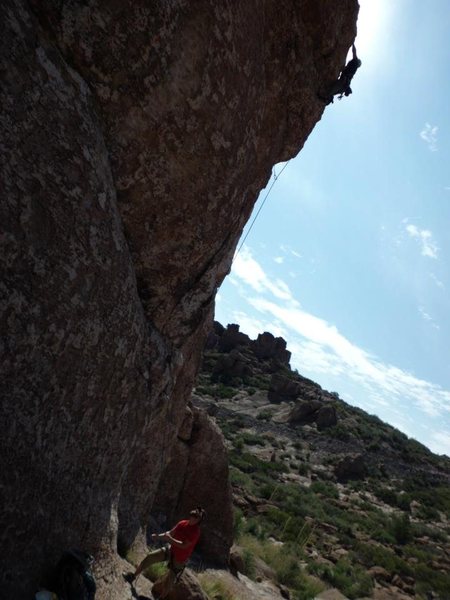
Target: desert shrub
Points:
(154, 572)
(437, 497)
(307, 588)
(351, 579)
(400, 528)
(264, 415)
(238, 442)
(237, 477)
(370, 555)
(252, 439)
(224, 391)
(428, 513)
(260, 382)
(248, 560)
(206, 390)
(340, 432)
(422, 530)
(386, 495)
(248, 463)
(430, 580)
(303, 469)
(215, 590)
(383, 536)
(325, 488)
(238, 523)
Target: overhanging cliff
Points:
(135, 139)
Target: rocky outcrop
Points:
(265, 347)
(136, 137)
(313, 411)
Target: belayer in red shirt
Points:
(182, 540)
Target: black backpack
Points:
(73, 576)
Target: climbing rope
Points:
(275, 178)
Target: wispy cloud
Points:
(425, 238)
(429, 135)
(279, 260)
(440, 442)
(289, 250)
(426, 317)
(322, 349)
(437, 281)
(250, 272)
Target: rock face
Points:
(197, 475)
(135, 139)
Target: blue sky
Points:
(348, 259)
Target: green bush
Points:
(351, 579)
(224, 391)
(264, 415)
(400, 528)
(215, 590)
(325, 488)
(252, 439)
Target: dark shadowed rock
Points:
(351, 467)
(305, 412)
(267, 346)
(187, 588)
(326, 417)
(236, 560)
(197, 475)
(136, 137)
(232, 338)
(232, 365)
(283, 389)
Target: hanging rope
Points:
(275, 178)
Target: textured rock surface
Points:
(197, 475)
(135, 139)
(187, 588)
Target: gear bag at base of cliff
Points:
(73, 579)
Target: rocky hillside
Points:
(325, 495)
(136, 136)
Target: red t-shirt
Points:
(184, 533)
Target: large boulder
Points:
(232, 365)
(136, 137)
(197, 475)
(187, 588)
(326, 417)
(267, 346)
(231, 338)
(351, 467)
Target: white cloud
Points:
(320, 348)
(288, 250)
(425, 238)
(426, 317)
(437, 281)
(440, 442)
(251, 273)
(279, 260)
(429, 135)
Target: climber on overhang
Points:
(182, 540)
(341, 86)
